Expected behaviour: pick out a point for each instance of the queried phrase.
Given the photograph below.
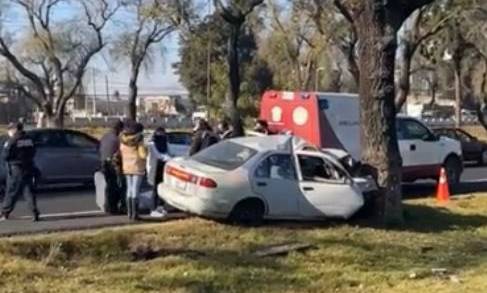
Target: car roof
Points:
(270, 142)
(47, 130)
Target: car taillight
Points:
(181, 175)
(208, 183)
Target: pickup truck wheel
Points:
(453, 168)
(249, 212)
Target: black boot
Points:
(35, 217)
(3, 217)
(135, 211)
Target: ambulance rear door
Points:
(339, 122)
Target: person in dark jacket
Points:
(262, 127)
(111, 169)
(225, 131)
(18, 154)
(203, 137)
(158, 156)
(110, 142)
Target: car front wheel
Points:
(248, 213)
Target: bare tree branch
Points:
(5, 52)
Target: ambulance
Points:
(332, 120)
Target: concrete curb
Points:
(74, 215)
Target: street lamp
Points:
(317, 77)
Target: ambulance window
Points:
(323, 104)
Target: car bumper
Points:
(201, 206)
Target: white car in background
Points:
(250, 179)
(179, 142)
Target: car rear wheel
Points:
(2, 190)
(249, 212)
(483, 158)
(453, 168)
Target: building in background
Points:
(83, 106)
(164, 105)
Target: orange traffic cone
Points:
(443, 192)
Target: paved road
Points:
(70, 200)
(82, 202)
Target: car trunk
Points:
(190, 177)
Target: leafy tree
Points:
(293, 47)
(336, 30)
(50, 59)
(256, 77)
(423, 24)
(235, 13)
(460, 42)
(154, 21)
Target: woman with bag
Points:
(158, 156)
(134, 155)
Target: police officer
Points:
(18, 153)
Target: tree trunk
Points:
(41, 120)
(380, 151)
(234, 79)
(458, 90)
(433, 96)
(50, 118)
(481, 115)
(54, 121)
(482, 99)
(404, 84)
(434, 87)
(131, 111)
(353, 67)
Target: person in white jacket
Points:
(158, 156)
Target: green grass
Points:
(196, 255)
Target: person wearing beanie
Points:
(133, 154)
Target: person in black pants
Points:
(18, 153)
(115, 183)
(158, 156)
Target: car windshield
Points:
(182, 138)
(225, 155)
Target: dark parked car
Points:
(63, 156)
(473, 149)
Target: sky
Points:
(159, 79)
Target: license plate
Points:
(180, 184)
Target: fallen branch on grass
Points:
(283, 249)
(147, 252)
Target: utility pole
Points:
(109, 112)
(93, 74)
(208, 61)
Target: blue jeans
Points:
(133, 185)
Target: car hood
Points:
(450, 141)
